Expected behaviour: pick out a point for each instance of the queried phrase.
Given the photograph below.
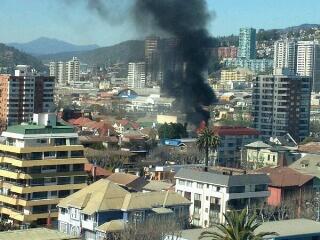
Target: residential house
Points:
(288, 186)
(259, 154)
(309, 164)
(103, 208)
(215, 192)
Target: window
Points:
(187, 195)
(199, 185)
(188, 183)
(237, 189)
(182, 182)
(62, 154)
(49, 154)
(48, 168)
(74, 213)
(40, 209)
(77, 153)
(63, 193)
(39, 195)
(50, 180)
(78, 167)
(261, 187)
(54, 193)
(64, 180)
(63, 210)
(79, 179)
(86, 217)
(218, 189)
(63, 168)
(37, 182)
(197, 204)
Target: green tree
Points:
(206, 141)
(172, 131)
(239, 226)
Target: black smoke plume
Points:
(186, 21)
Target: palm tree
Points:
(238, 227)
(207, 140)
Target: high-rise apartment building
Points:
(66, 72)
(41, 163)
(153, 60)
(23, 94)
(58, 70)
(247, 43)
(285, 53)
(136, 75)
(308, 62)
(281, 104)
(73, 71)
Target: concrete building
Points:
(227, 52)
(232, 142)
(285, 55)
(254, 65)
(59, 71)
(136, 75)
(73, 71)
(281, 105)
(235, 75)
(23, 94)
(92, 210)
(308, 62)
(247, 43)
(213, 193)
(42, 162)
(153, 60)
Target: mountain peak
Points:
(45, 45)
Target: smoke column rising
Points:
(185, 20)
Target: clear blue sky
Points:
(25, 20)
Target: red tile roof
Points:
(234, 131)
(100, 172)
(285, 177)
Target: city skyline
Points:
(73, 22)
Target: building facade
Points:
(232, 142)
(66, 72)
(281, 105)
(41, 163)
(59, 71)
(285, 55)
(227, 52)
(73, 71)
(153, 60)
(90, 211)
(308, 62)
(24, 94)
(213, 194)
(247, 43)
(136, 75)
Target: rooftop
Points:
(308, 164)
(104, 195)
(221, 179)
(285, 176)
(230, 131)
(31, 128)
(284, 228)
(36, 234)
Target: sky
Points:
(70, 20)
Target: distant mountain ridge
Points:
(44, 45)
(128, 51)
(10, 57)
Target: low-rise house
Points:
(102, 207)
(157, 186)
(259, 154)
(288, 185)
(309, 164)
(215, 192)
(95, 172)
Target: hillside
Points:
(132, 50)
(10, 57)
(45, 45)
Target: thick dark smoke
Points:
(185, 20)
